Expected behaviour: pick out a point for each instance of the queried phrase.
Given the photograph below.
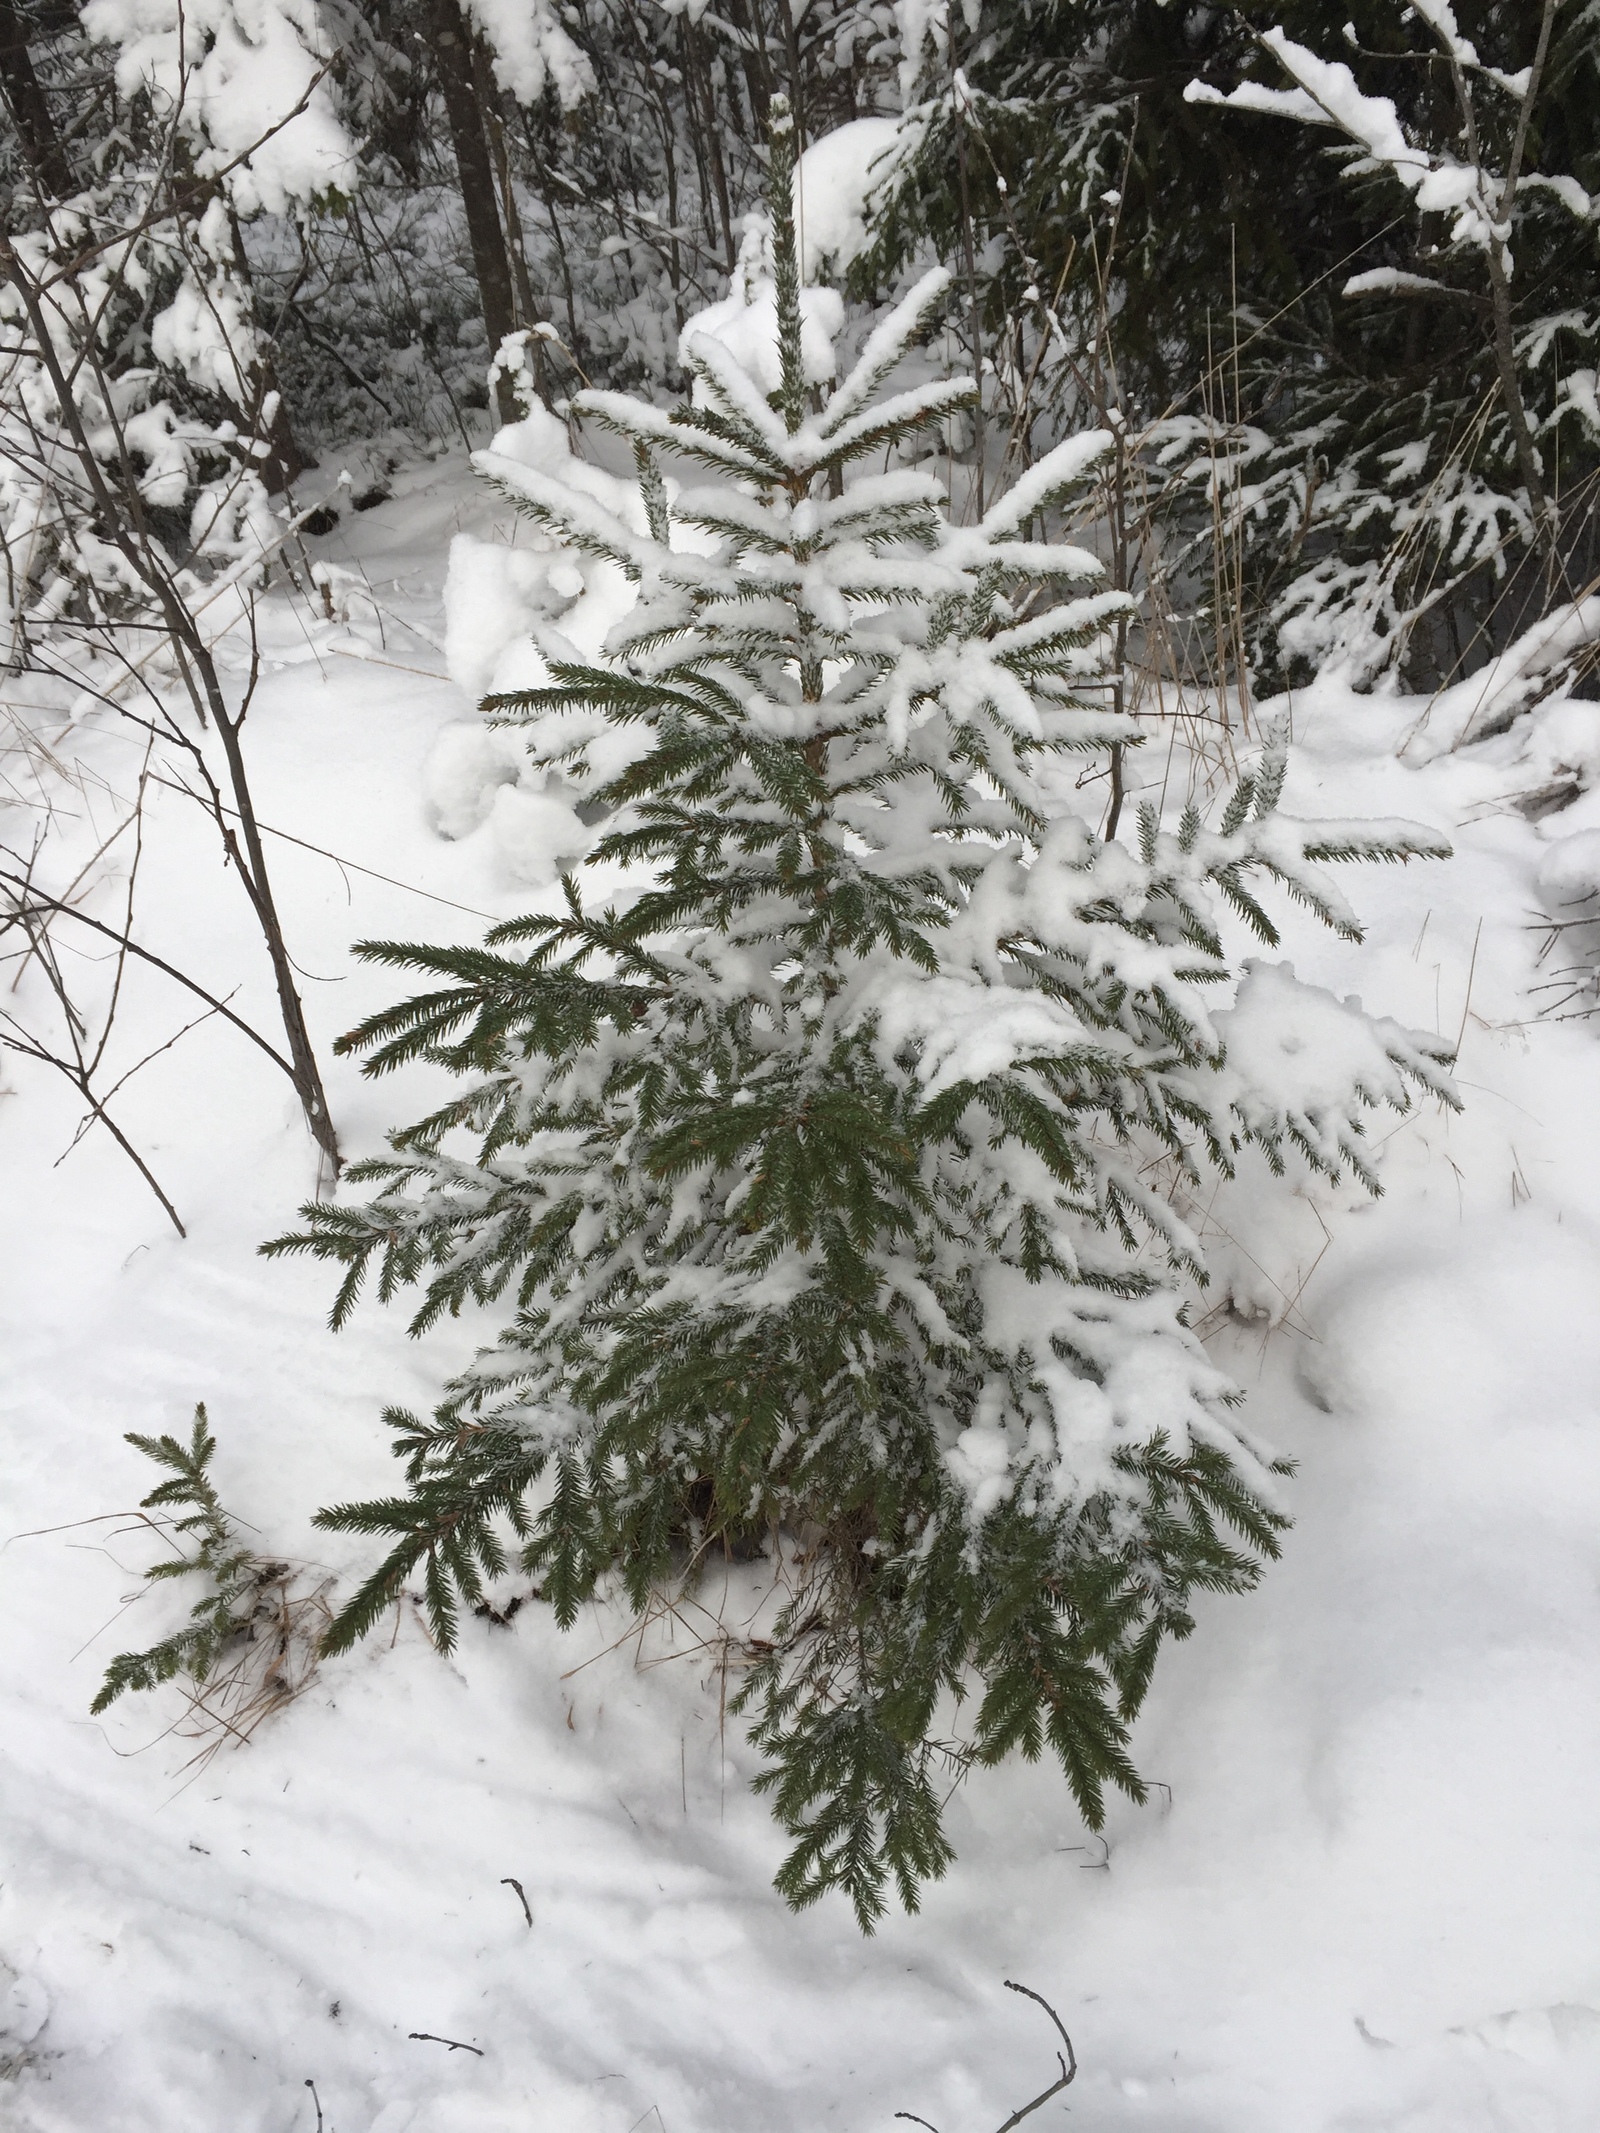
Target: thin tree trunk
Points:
(286, 461)
(969, 259)
(1505, 357)
(1119, 579)
(475, 169)
(30, 112)
(528, 310)
(258, 885)
(1516, 411)
(547, 194)
(753, 61)
(697, 75)
(791, 56)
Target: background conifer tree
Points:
(810, 1162)
(1284, 331)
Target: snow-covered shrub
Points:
(134, 376)
(811, 1156)
(104, 274)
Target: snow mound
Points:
(833, 182)
(1569, 877)
(746, 325)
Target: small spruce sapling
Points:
(223, 1557)
(811, 1161)
(249, 1644)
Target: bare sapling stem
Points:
(1505, 353)
(117, 495)
(1066, 2060)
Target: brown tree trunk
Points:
(753, 59)
(528, 310)
(36, 129)
(708, 126)
(287, 460)
(475, 168)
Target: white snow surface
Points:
(1362, 1899)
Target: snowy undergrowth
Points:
(1366, 1904)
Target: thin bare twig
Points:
(130, 947)
(1068, 2065)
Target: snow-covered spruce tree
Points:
(813, 1162)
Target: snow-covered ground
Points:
(1364, 1896)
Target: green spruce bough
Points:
(814, 1166)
